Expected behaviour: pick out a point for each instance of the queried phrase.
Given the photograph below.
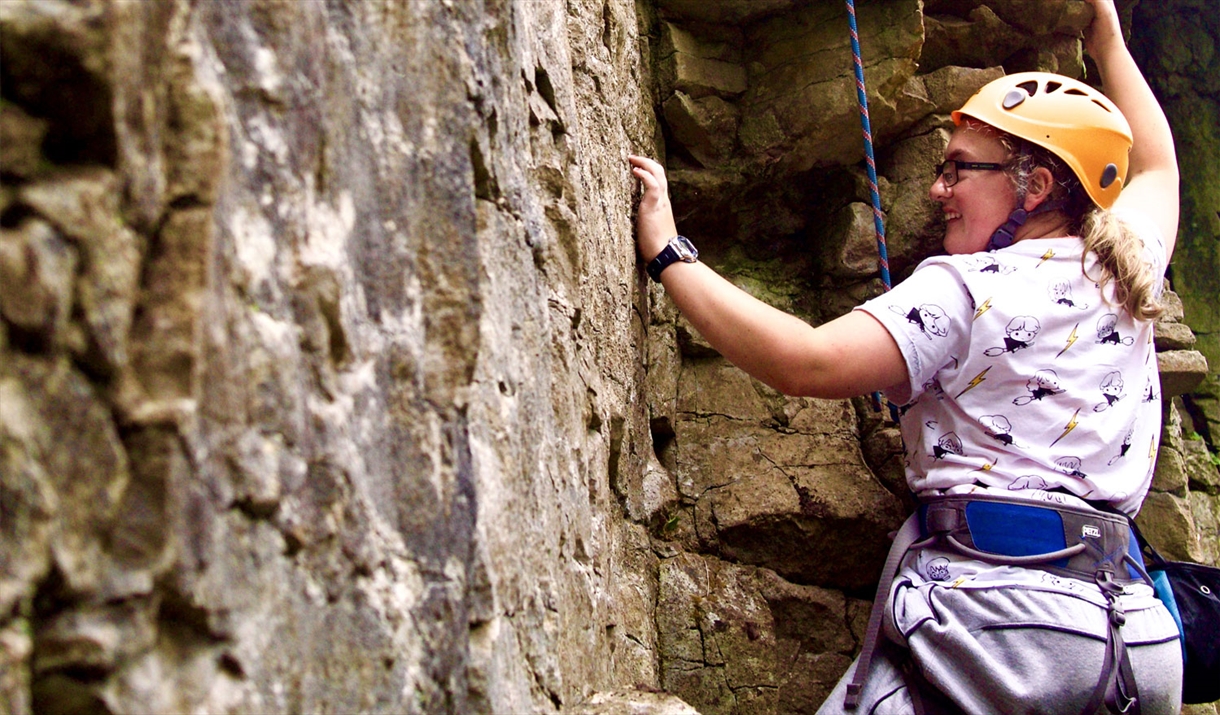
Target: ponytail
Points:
(1117, 247)
(1119, 253)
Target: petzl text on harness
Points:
(1191, 592)
(1080, 543)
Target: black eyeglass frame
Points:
(951, 176)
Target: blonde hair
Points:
(1118, 249)
(1120, 254)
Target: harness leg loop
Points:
(1116, 688)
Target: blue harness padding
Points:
(1016, 529)
(1136, 558)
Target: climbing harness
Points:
(870, 161)
(1080, 543)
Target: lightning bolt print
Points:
(975, 382)
(1067, 429)
(1050, 253)
(1071, 340)
(1152, 448)
(988, 466)
(986, 306)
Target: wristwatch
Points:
(679, 249)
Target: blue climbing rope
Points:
(870, 161)
(862, 97)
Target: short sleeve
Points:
(929, 316)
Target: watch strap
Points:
(668, 256)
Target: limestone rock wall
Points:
(319, 356)
(1179, 45)
(329, 380)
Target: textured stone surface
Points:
(634, 702)
(1181, 371)
(1167, 522)
(778, 482)
(323, 355)
(728, 12)
(1179, 45)
(1174, 336)
(1200, 466)
(1170, 471)
(36, 269)
(20, 140)
(329, 380)
(1205, 511)
(737, 639)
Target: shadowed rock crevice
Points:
(52, 73)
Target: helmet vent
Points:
(1076, 92)
(1052, 86)
(1030, 87)
(1014, 98)
(1101, 105)
(1108, 175)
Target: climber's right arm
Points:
(1152, 177)
(849, 356)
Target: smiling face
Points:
(980, 201)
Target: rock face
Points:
(320, 354)
(1179, 46)
(329, 381)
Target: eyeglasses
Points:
(948, 169)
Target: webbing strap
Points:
(1116, 687)
(903, 541)
(1032, 560)
(1122, 696)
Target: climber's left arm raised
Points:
(849, 356)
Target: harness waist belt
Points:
(1068, 541)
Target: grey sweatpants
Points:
(1012, 650)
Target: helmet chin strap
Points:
(1006, 234)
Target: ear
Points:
(1041, 184)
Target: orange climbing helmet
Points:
(1069, 118)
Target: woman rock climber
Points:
(1073, 193)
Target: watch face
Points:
(685, 249)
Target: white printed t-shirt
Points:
(1024, 379)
